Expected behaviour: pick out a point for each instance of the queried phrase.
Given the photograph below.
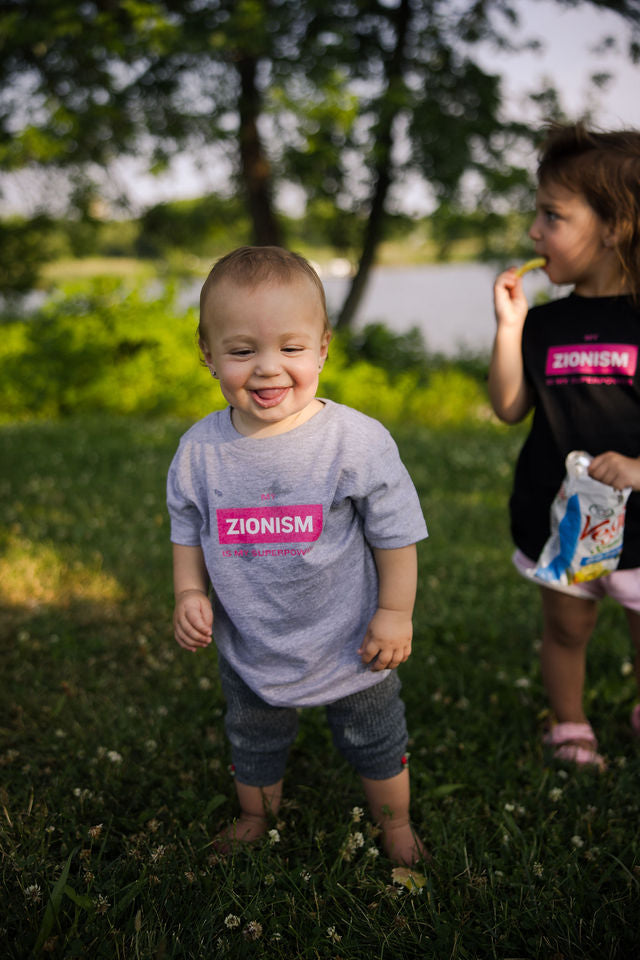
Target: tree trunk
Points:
(382, 167)
(254, 164)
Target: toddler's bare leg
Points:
(256, 805)
(389, 804)
(633, 619)
(568, 625)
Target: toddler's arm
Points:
(193, 614)
(508, 390)
(616, 470)
(388, 636)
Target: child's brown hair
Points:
(605, 168)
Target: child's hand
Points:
(616, 470)
(193, 620)
(509, 300)
(387, 640)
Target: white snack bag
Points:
(587, 527)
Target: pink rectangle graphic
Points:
(291, 524)
(604, 360)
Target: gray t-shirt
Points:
(286, 524)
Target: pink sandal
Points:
(563, 737)
(635, 720)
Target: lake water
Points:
(451, 304)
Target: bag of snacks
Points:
(587, 527)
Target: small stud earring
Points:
(212, 372)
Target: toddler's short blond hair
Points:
(250, 266)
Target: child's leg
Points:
(257, 804)
(633, 619)
(370, 731)
(260, 737)
(389, 804)
(568, 625)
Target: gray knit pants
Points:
(368, 729)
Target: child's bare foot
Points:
(402, 844)
(245, 830)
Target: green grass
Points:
(114, 764)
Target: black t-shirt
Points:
(581, 360)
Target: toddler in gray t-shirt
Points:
(300, 516)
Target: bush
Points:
(106, 349)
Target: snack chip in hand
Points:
(531, 265)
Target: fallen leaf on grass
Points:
(410, 878)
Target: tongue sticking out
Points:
(270, 396)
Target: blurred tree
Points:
(320, 94)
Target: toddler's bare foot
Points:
(245, 830)
(402, 845)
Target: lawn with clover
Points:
(114, 767)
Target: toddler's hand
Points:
(509, 300)
(616, 470)
(387, 640)
(193, 620)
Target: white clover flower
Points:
(509, 807)
(463, 704)
(333, 935)
(269, 879)
(101, 904)
(158, 853)
(274, 836)
(150, 746)
(94, 832)
(358, 840)
(538, 869)
(305, 876)
(114, 756)
(577, 841)
(204, 683)
(373, 852)
(252, 931)
(33, 893)
(626, 668)
(523, 683)
(357, 814)
(555, 793)
(231, 921)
